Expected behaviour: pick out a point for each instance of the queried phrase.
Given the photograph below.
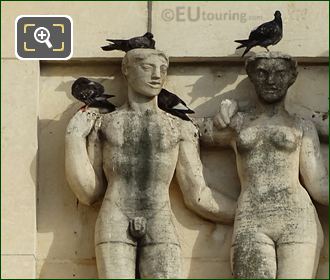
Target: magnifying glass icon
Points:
(41, 35)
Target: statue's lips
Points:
(270, 90)
(155, 84)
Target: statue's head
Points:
(272, 73)
(145, 70)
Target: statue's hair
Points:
(272, 55)
(140, 54)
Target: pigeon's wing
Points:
(264, 31)
(102, 103)
(178, 104)
(171, 100)
(117, 41)
(75, 91)
(170, 103)
(140, 42)
(167, 99)
(180, 114)
(78, 87)
(98, 88)
(152, 44)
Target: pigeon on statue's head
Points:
(142, 42)
(269, 33)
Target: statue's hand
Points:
(82, 123)
(228, 109)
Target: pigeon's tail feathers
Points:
(102, 103)
(116, 41)
(241, 46)
(246, 50)
(110, 106)
(180, 114)
(111, 47)
(249, 46)
(108, 95)
(242, 42)
(181, 107)
(189, 111)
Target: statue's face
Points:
(147, 74)
(272, 78)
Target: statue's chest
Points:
(142, 132)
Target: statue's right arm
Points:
(198, 196)
(86, 182)
(211, 135)
(216, 131)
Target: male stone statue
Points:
(138, 148)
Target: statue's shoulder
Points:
(189, 130)
(300, 122)
(114, 115)
(107, 120)
(304, 124)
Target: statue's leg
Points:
(115, 260)
(160, 261)
(253, 256)
(298, 250)
(298, 261)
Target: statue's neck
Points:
(140, 103)
(271, 109)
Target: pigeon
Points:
(170, 103)
(142, 42)
(92, 94)
(269, 33)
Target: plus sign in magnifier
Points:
(41, 35)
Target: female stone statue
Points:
(277, 233)
(139, 147)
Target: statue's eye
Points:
(163, 69)
(280, 73)
(261, 73)
(146, 66)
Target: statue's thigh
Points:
(253, 256)
(160, 261)
(297, 260)
(115, 260)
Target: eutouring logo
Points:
(195, 14)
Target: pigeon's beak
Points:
(91, 83)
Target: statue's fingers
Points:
(218, 122)
(98, 122)
(225, 113)
(233, 108)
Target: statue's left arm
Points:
(312, 169)
(207, 203)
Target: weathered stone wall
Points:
(45, 232)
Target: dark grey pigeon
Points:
(269, 33)
(143, 42)
(92, 94)
(172, 104)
